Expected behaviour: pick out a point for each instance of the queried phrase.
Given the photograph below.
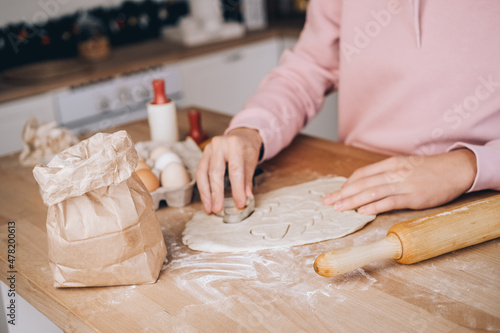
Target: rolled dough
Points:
(289, 216)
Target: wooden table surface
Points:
(265, 291)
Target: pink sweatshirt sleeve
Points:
(488, 164)
(293, 93)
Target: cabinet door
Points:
(13, 116)
(325, 124)
(225, 80)
(28, 319)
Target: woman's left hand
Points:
(415, 182)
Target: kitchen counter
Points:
(266, 291)
(125, 59)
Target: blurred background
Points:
(34, 31)
(88, 64)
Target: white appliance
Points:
(117, 100)
(204, 24)
(254, 14)
(13, 116)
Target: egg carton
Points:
(190, 154)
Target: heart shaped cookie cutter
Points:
(231, 214)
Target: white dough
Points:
(289, 216)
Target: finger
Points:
(216, 170)
(236, 176)
(364, 184)
(358, 186)
(203, 182)
(249, 171)
(250, 165)
(367, 196)
(384, 205)
(388, 164)
(332, 198)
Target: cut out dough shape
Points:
(289, 216)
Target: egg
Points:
(174, 175)
(156, 172)
(142, 165)
(149, 179)
(158, 151)
(165, 159)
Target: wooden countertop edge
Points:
(45, 303)
(150, 53)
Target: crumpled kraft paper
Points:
(43, 141)
(101, 224)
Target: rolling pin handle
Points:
(340, 261)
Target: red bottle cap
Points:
(159, 92)
(195, 130)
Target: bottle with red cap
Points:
(195, 131)
(162, 115)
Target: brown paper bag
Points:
(101, 224)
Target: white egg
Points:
(165, 159)
(174, 175)
(158, 151)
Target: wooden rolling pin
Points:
(421, 238)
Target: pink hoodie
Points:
(413, 77)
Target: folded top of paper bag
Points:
(99, 161)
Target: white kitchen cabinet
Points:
(325, 124)
(27, 318)
(13, 116)
(286, 43)
(223, 81)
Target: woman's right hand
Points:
(240, 149)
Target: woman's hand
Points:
(240, 150)
(415, 182)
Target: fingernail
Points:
(240, 204)
(338, 206)
(206, 207)
(331, 198)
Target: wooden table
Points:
(266, 291)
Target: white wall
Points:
(36, 11)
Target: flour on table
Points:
(289, 216)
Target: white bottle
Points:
(162, 115)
